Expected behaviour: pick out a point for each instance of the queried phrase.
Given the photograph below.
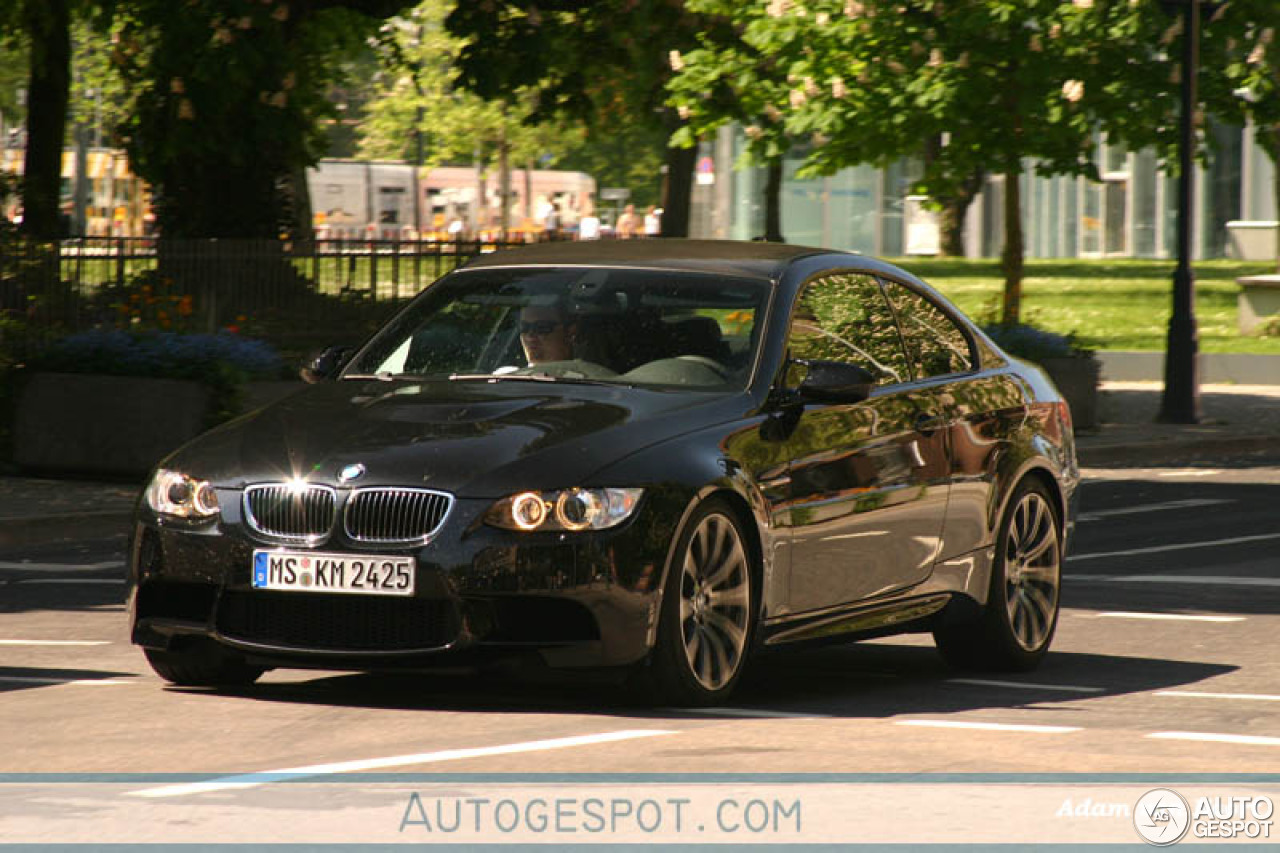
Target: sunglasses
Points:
(539, 327)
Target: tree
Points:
(417, 111)
(1250, 57)
(45, 25)
(1004, 80)
(229, 95)
(577, 55)
(732, 77)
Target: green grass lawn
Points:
(1108, 304)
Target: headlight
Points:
(174, 493)
(568, 509)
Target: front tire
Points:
(202, 666)
(709, 607)
(1021, 615)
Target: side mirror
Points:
(325, 365)
(835, 382)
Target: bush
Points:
(1269, 328)
(1032, 343)
(222, 362)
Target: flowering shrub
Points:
(167, 355)
(222, 362)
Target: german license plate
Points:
(307, 571)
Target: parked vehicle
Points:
(386, 200)
(656, 456)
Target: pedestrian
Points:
(652, 221)
(628, 222)
(589, 226)
(552, 222)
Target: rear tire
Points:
(202, 666)
(708, 619)
(1021, 615)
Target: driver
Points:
(547, 333)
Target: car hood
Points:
(473, 439)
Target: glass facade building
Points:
(1130, 212)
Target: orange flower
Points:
(185, 306)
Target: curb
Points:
(1158, 452)
(71, 526)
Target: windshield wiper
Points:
(381, 376)
(535, 377)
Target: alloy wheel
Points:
(1032, 567)
(715, 602)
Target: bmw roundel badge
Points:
(351, 472)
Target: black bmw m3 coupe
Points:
(659, 457)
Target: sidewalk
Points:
(1236, 419)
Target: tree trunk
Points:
(955, 206)
(1274, 151)
(678, 198)
(1011, 257)
(954, 211)
(773, 202)
(951, 224)
(677, 182)
(48, 25)
(301, 220)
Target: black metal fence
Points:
(295, 295)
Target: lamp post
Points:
(1181, 401)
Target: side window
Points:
(935, 344)
(846, 318)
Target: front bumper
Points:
(481, 594)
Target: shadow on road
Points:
(867, 681)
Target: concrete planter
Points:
(1258, 300)
(72, 423)
(1077, 379)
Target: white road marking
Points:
(1181, 546)
(1244, 697)
(63, 567)
(254, 780)
(1191, 472)
(983, 682)
(1132, 510)
(1196, 580)
(24, 679)
(1209, 737)
(1169, 617)
(55, 642)
(70, 580)
(754, 713)
(989, 727)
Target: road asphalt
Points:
(1237, 420)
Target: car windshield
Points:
(616, 326)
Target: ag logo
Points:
(1162, 817)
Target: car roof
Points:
(754, 259)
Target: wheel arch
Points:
(741, 508)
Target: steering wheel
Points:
(708, 362)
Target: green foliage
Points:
(416, 92)
(228, 97)
(733, 75)
(604, 63)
